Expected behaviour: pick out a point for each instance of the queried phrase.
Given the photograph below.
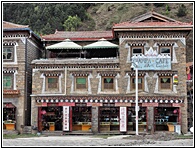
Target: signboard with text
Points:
(123, 119)
(152, 62)
(65, 118)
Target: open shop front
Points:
(50, 118)
(166, 118)
(109, 118)
(142, 119)
(9, 116)
(81, 117)
(65, 118)
(113, 118)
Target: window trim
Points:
(12, 51)
(77, 89)
(103, 89)
(161, 83)
(131, 84)
(12, 81)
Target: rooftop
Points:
(78, 35)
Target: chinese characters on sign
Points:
(123, 119)
(66, 118)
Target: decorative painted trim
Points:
(10, 43)
(80, 73)
(110, 99)
(73, 66)
(10, 70)
(108, 73)
(144, 35)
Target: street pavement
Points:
(85, 141)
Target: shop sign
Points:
(108, 104)
(8, 105)
(80, 104)
(66, 104)
(52, 104)
(152, 62)
(123, 119)
(149, 104)
(177, 105)
(165, 105)
(94, 104)
(65, 118)
(118, 104)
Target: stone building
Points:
(87, 84)
(20, 47)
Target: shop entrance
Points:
(9, 116)
(81, 117)
(166, 118)
(51, 119)
(109, 119)
(141, 119)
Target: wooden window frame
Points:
(103, 86)
(6, 53)
(12, 81)
(133, 84)
(169, 47)
(137, 47)
(170, 84)
(57, 82)
(76, 85)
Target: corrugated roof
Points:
(78, 35)
(152, 24)
(9, 25)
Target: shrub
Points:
(181, 11)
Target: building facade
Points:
(20, 47)
(92, 88)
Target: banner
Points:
(123, 119)
(65, 118)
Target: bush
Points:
(181, 11)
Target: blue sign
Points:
(152, 63)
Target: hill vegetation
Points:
(45, 18)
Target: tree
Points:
(181, 11)
(72, 23)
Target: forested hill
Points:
(45, 18)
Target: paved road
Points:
(81, 141)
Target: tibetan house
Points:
(92, 88)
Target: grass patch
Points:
(184, 137)
(14, 136)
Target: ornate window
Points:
(8, 54)
(108, 83)
(137, 50)
(140, 83)
(81, 83)
(52, 82)
(166, 50)
(8, 81)
(165, 83)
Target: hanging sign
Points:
(123, 119)
(65, 118)
(175, 79)
(152, 62)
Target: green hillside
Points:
(45, 18)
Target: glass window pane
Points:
(137, 50)
(165, 50)
(81, 80)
